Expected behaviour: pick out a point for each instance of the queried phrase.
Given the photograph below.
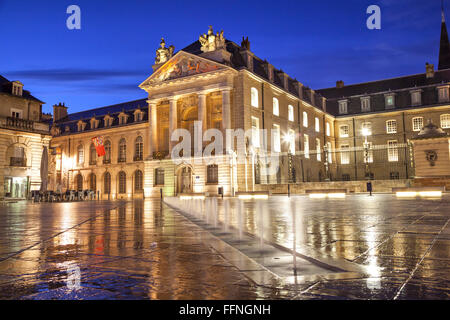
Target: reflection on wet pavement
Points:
(138, 250)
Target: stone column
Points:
(226, 109)
(153, 122)
(202, 118)
(172, 121)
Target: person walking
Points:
(369, 187)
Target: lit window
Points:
(255, 132)
(389, 101)
(443, 94)
(122, 150)
(345, 154)
(445, 121)
(107, 156)
(306, 145)
(122, 182)
(80, 154)
(416, 98)
(391, 126)
(317, 124)
(344, 131)
(305, 119)
(330, 158)
(290, 113)
(367, 129)
(276, 138)
(159, 177)
(92, 154)
(138, 149)
(392, 151)
(343, 107)
(369, 158)
(328, 129)
(365, 104)
(138, 180)
(417, 123)
(107, 183)
(212, 175)
(254, 97)
(318, 150)
(276, 107)
(291, 138)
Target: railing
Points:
(106, 161)
(17, 162)
(24, 125)
(120, 160)
(137, 158)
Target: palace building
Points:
(342, 134)
(23, 134)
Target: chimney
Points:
(324, 104)
(429, 70)
(313, 93)
(284, 79)
(339, 84)
(299, 89)
(269, 70)
(59, 112)
(247, 55)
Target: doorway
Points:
(184, 179)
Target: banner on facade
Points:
(98, 142)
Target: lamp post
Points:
(325, 154)
(366, 133)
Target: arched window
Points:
(138, 149)
(122, 150)
(92, 154)
(107, 183)
(276, 107)
(92, 182)
(107, 157)
(212, 173)
(80, 155)
(122, 182)
(138, 181)
(79, 182)
(305, 119)
(159, 176)
(254, 97)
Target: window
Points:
(122, 150)
(254, 97)
(328, 129)
(318, 150)
(306, 145)
(345, 154)
(79, 182)
(368, 157)
(394, 175)
(317, 124)
(107, 183)
(343, 107)
(366, 129)
(122, 182)
(17, 88)
(16, 113)
(276, 107)
(391, 126)
(344, 131)
(392, 151)
(291, 141)
(330, 158)
(108, 121)
(305, 119)
(159, 177)
(389, 101)
(138, 181)
(92, 182)
(212, 175)
(345, 177)
(138, 149)
(81, 125)
(443, 94)
(255, 132)
(107, 157)
(417, 123)
(365, 104)
(290, 113)
(80, 155)
(138, 116)
(416, 98)
(92, 154)
(123, 119)
(445, 121)
(258, 172)
(276, 138)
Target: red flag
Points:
(98, 142)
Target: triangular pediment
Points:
(183, 64)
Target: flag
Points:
(98, 142)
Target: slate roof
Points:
(6, 87)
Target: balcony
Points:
(24, 125)
(121, 160)
(17, 162)
(138, 158)
(106, 161)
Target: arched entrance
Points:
(184, 180)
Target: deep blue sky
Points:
(317, 42)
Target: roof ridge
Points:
(109, 106)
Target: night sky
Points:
(316, 42)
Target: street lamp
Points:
(366, 133)
(325, 154)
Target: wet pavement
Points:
(359, 248)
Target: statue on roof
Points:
(163, 54)
(211, 41)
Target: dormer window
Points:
(17, 88)
(389, 101)
(343, 109)
(443, 94)
(123, 118)
(108, 121)
(416, 97)
(365, 104)
(94, 123)
(138, 116)
(81, 125)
